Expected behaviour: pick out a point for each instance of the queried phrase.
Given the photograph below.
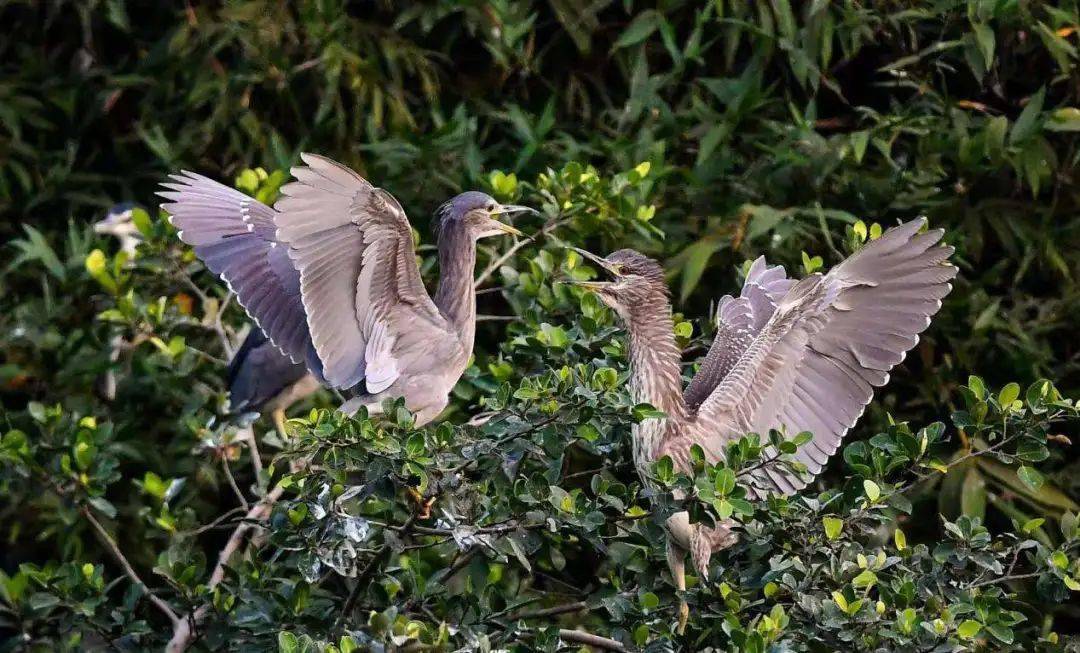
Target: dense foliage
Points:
(701, 133)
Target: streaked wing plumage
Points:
(359, 280)
(738, 320)
(234, 235)
(832, 340)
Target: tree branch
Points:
(118, 555)
(497, 263)
(184, 630)
(588, 639)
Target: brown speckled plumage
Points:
(798, 356)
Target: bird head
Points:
(118, 222)
(478, 214)
(633, 280)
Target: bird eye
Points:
(491, 207)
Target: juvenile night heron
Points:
(330, 276)
(798, 355)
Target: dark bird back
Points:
(259, 373)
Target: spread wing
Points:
(359, 280)
(832, 340)
(234, 235)
(738, 320)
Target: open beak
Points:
(602, 262)
(509, 209)
(604, 265)
(505, 228)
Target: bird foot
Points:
(423, 506)
(684, 616)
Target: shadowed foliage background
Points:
(701, 133)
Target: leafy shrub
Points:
(540, 531)
(706, 134)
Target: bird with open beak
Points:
(796, 356)
(330, 275)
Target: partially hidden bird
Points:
(792, 355)
(330, 276)
(263, 380)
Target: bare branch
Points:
(118, 555)
(232, 481)
(497, 263)
(588, 639)
(184, 629)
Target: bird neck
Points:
(655, 357)
(456, 295)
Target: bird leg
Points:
(278, 415)
(423, 506)
(676, 559)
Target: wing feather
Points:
(738, 320)
(352, 245)
(233, 234)
(830, 341)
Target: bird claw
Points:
(423, 506)
(684, 616)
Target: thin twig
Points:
(214, 524)
(247, 434)
(576, 606)
(184, 629)
(117, 554)
(458, 565)
(497, 263)
(1003, 579)
(232, 482)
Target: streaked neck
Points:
(456, 295)
(655, 357)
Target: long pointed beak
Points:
(589, 256)
(511, 209)
(502, 226)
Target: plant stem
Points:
(118, 555)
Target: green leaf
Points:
(833, 527)
(1008, 394)
(984, 37)
(96, 263)
(649, 601)
(1030, 476)
(1001, 632)
(873, 492)
(640, 28)
(968, 629)
(287, 642)
(840, 601)
(1026, 124)
(1033, 524)
(141, 219)
(899, 539)
(1065, 119)
(977, 387)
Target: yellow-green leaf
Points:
(833, 527)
